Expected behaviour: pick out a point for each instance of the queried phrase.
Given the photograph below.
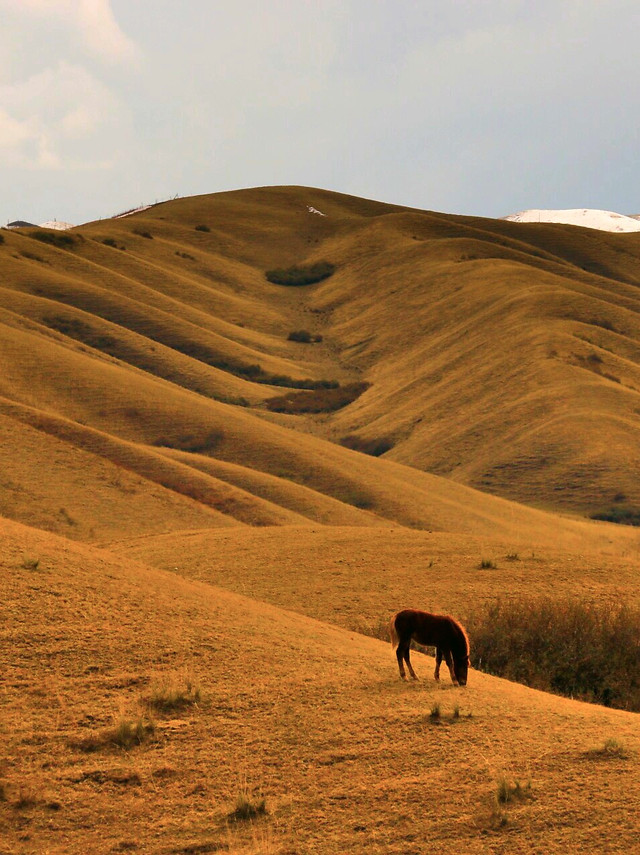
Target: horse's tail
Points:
(393, 632)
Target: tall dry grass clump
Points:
(589, 651)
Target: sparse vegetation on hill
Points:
(583, 650)
(323, 400)
(62, 240)
(374, 447)
(620, 515)
(303, 275)
(303, 336)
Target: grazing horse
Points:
(441, 631)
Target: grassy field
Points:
(191, 582)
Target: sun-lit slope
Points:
(308, 717)
(240, 467)
(511, 372)
(354, 577)
(501, 355)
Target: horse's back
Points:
(423, 627)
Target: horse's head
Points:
(461, 669)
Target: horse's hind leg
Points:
(399, 656)
(449, 660)
(407, 651)
(436, 673)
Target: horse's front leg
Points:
(436, 673)
(449, 660)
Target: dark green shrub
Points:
(185, 255)
(195, 444)
(56, 238)
(203, 228)
(316, 401)
(303, 336)
(306, 275)
(620, 515)
(584, 650)
(80, 331)
(110, 242)
(143, 233)
(374, 447)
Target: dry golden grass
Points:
(307, 717)
(182, 664)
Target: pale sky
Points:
(463, 106)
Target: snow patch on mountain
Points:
(590, 218)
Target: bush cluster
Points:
(374, 447)
(56, 238)
(249, 371)
(316, 401)
(621, 515)
(584, 650)
(303, 336)
(306, 275)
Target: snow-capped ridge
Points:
(590, 218)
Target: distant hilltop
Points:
(590, 218)
(50, 224)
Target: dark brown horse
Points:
(440, 631)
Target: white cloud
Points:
(93, 21)
(59, 117)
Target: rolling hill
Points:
(211, 479)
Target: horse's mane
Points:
(461, 635)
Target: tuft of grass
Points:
(26, 798)
(304, 275)
(125, 733)
(456, 712)
(487, 564)
(248, 807)
(174, 693)
(512, 556)
(30, 562)
(611, 749)
(507, 792)
(436, 711)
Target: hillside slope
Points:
(310, 718)
(503, 356)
